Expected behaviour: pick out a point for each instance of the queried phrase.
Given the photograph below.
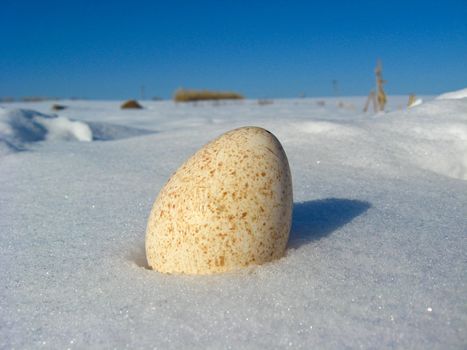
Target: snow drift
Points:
(20, 127)
(453, 95)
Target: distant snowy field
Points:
(377, 256)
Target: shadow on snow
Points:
(313, 220)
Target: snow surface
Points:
(378, 250)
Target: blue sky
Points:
(108, 50)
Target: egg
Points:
(228, 206)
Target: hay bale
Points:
(131, 104)
(182, 95)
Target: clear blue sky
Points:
(108, 49)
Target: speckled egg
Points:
(226, 207)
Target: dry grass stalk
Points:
(371, 99)
(381, 95)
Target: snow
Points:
(453, 95)
(19, 126)
(376, 259)
(62, 128)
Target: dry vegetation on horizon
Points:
(183, 95)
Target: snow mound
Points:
(453, 95)
(431, 137)
(19, 127)
(439, 148)
(62, 128)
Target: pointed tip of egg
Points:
(228, 206)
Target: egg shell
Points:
(228, 206)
